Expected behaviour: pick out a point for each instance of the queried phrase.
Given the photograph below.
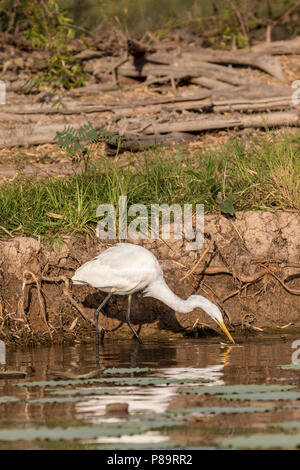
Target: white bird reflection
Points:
(146, 399)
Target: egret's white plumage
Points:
(126, 268)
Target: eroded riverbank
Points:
(249, 265)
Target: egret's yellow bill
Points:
(222, 325)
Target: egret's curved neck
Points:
(160, 290)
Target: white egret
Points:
(126, 268)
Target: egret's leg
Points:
(96, 315)
(128, 320)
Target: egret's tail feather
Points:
(78, 281)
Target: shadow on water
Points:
(177, 363)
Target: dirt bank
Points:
(249, 265)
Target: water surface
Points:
(204, 362)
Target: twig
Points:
(285, 326)
(6, 231)
(196, 265)
(256, 328)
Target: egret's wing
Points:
(124, 267)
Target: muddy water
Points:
(204, 362)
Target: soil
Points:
(251, 267)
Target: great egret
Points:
(126, 268)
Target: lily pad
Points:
(58, 400)
(133, 381)
(129, 446)
(71, 433)
(9, 399)
(267, 396)
(290, 366)
(89, 391)
(136, 425)
(235, 389)
(207, 410)
(286, 425)
(138, 381)
(291, 406)
(49, 383)
(262, 441)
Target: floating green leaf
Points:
(136, 425)
(8, 399)
(71, 433)
(207, 410)
(290, 366)
(129, 446)
(291, 406)
(235, 389)
(50, 383)
(57, 400)
(262, 441)
(268, 396)
(89, 391)
(134, 381)
(286, 425)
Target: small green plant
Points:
(226, 205)
(80, 143)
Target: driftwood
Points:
(74, 107)
(36, 135)
(180, 70)
(206, 122)
(34, 113)
(33, 135)
(263, 62)
(212, 83)
(278, 47)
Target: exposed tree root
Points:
(66, 293)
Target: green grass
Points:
(264, 174)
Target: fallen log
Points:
(179, 69)
(73, 107)
(264, 62)
(206, 122)
(211, 83)
(255, 105)
(34, 135)
(291, 46)
(34, 113)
